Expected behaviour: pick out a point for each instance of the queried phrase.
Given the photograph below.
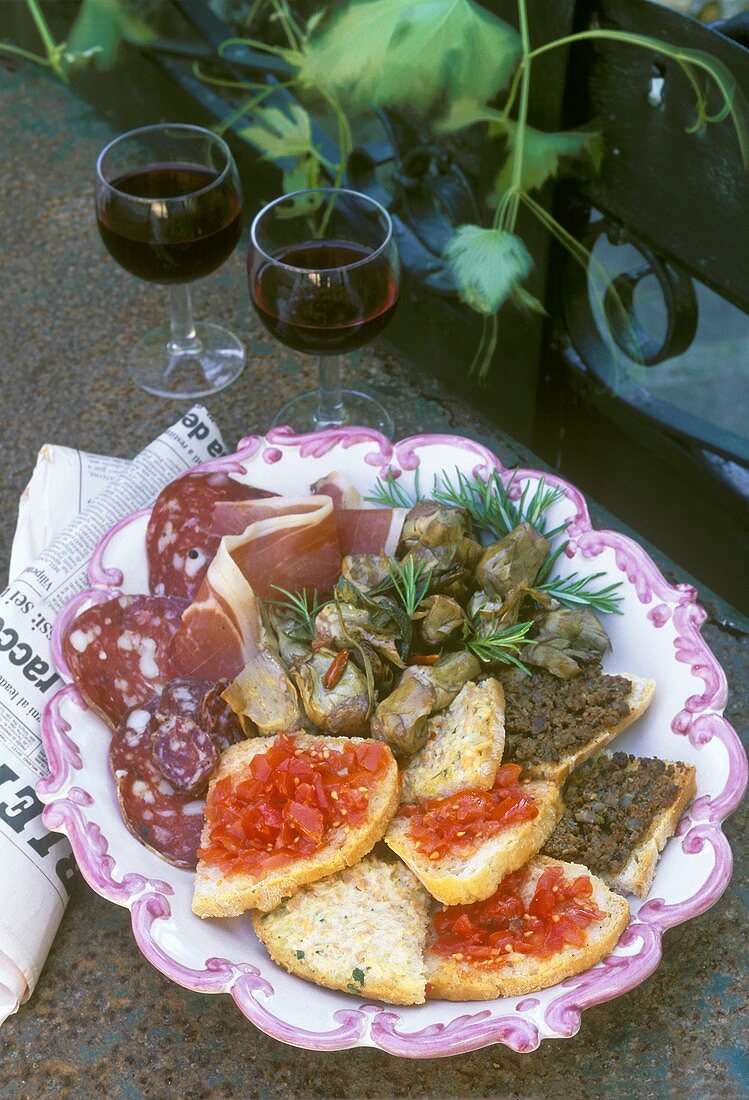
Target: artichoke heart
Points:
(401, 718)
(443, 617)
(566, 639)
(514, 560)
(264, 693)
(339, 624)
(343, 709)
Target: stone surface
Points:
(102, 1021)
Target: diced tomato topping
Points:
(490, 932)
(462, 820)
(289, 803)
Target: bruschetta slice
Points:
(545, 923)
(362, 930)
(287, 811)
(462, 846)
(464, 745)
(553, 725)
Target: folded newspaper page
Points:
(72, 500)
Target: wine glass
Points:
(168, 205)
(323, 273)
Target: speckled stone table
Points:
(103, 1022)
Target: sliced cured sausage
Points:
(184, 754)
(163, 818)
(217, 718)
(179, 542)
(163, 753)
(118, 652)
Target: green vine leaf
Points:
(543, 154)
(278, 134)
(466, 111)
(378, 53)
(98, 28)
(304, 174)
(487, 265)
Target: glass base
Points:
(359, 409)
(214, 361)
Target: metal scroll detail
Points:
(625, 328)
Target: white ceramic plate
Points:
(658, 636)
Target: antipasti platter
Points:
(136, 841)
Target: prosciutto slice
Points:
(285, 542)
(179, 542)
(369, 530)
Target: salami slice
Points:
(179, 543)
(217, 718)
(118, 651)
(164, 819)
(185, 754)
(163, 753)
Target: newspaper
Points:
(72, 499)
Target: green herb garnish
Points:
(501, 645)
(410, 581)
(573, 591)
(301, 609)
(390, 493)
(491, 507)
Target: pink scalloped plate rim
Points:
(520, 1024)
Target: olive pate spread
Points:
(610, 803)
(546, 718)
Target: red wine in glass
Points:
(168, 202)
(331, 311)
(323, 273)
(200, 236)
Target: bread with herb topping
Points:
(221, 894)
(467, 875)
(464, 745)
(361, 930)
(454, 979)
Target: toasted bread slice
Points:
(218, 894)
(556, 771)
(453, 980)
(362, 930)
(620, 812)
(474, 874)
(464, 746)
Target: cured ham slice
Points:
(369, 530)
(222, 629)
(180, 543)
(341, 491)
(285, 542)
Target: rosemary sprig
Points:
(574, 591)
(491, 506)
(302, 609)
(501, 645)
(390, 493)
(409, 580)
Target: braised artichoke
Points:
(443, 617)
(565, 640)
(514, 560)
(264, 693)
(342, 709)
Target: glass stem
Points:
(330, 410)
(184, 339)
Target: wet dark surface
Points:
(102, 1021)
